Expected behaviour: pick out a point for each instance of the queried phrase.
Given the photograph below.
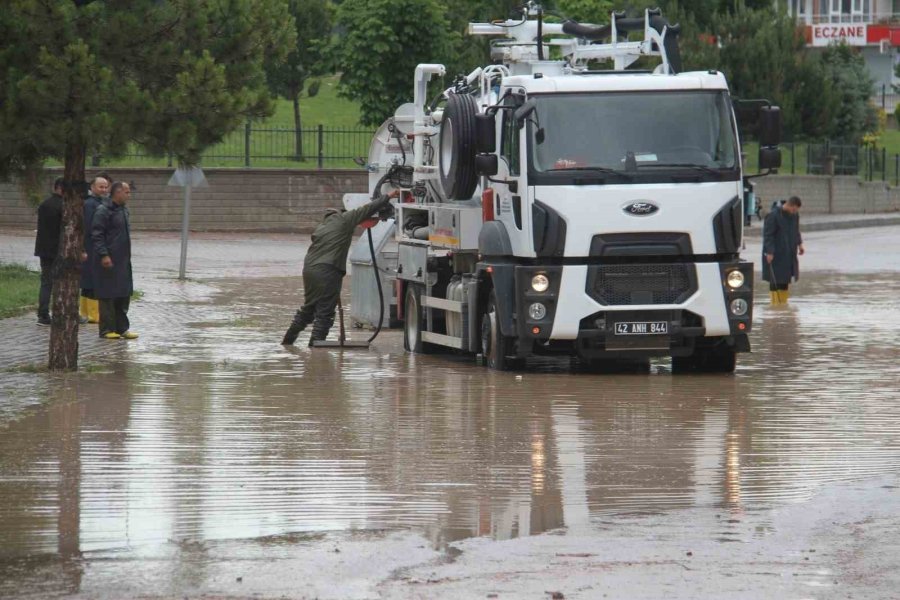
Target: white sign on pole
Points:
(852, 34)
(186, 177)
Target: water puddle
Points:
(209, 430)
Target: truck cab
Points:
(555, 209)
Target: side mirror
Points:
(486, 165)
(769, 158)
(523, 112)
(769, 126)
(485, 132)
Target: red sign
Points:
(825, 34)
(854, 34)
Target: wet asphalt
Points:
(204, 459)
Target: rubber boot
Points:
(93, 310)
(320, 331)
(297, 325)
(774, 298)
(82, 307)
(290, 336)
(784, 295)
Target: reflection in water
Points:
(228, 437)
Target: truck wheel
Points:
(717, 359)
(456, 156)
(414, 321)
(495, 347)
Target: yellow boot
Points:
(785, 295)
(82, 307)
(93, 310)
(774, 298)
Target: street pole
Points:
(187, 177)
(185, 222)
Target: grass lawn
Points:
(18, 290)
(325, 108)
(890, 139)
(272, 140)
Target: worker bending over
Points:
(325, 266)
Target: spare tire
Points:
(456, 155)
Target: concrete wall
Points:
(293, 200)
(236, 199)
(830, 195)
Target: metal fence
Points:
(886, 98)
(316, 147)
(821, 158)
(320, 147)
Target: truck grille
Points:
(626, 285)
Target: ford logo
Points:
(640, 209)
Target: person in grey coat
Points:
(113, 284)
(782, 244)
(324, 269)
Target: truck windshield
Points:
(633, 136)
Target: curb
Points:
(835, 225)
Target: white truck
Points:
(547, 207)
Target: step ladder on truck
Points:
(548, 207)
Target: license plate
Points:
(642, 328)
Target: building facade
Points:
(873, 26)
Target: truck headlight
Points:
(734, 279)
(540, 283)
(537, 311)
(739, 307)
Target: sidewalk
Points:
(810, 223)
(169, 307)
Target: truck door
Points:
(512, 200)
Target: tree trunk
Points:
(67, 270)
(298, 135)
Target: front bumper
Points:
(581, 304)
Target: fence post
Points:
(247, 144)
(884, 164)
(321, 144)
(883, 94)
(871, 162)
(896, 170)
(793, 158)
(169, 159)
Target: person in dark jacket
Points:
(46, 246)
(113, 284)
(324, 269)
(96, 197)
(782, 244)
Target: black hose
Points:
(377, 193)
(378, 284)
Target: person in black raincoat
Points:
(324, 269)
(113, 284)
(97, 196)
(46, 246)
(782, 244)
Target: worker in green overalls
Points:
(325, 266)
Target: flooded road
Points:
(206, 458)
